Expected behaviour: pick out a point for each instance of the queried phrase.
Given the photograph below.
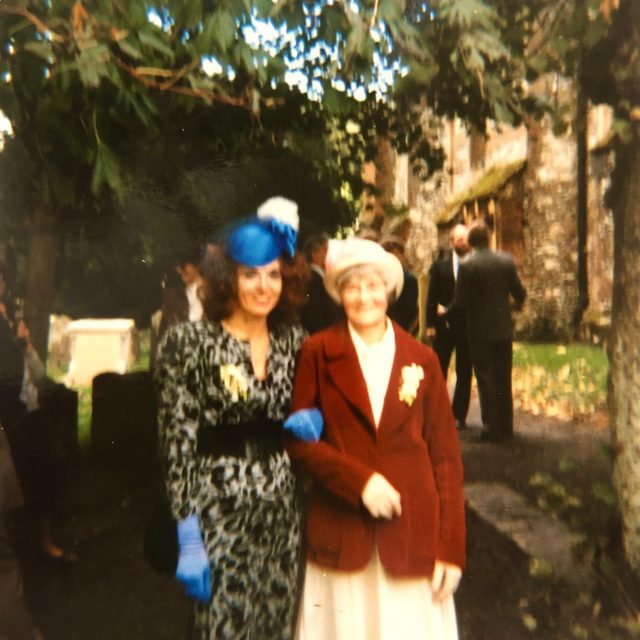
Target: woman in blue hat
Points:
(224, 389)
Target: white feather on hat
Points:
(344, 254)
(281, 209)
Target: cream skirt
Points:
(371, 605)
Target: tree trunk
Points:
(40, 278)
(624, 348)
(385, 178)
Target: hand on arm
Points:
(305, 424)
(380, 498)
(339, 472)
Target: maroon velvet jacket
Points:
(415, 448)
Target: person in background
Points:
(180, 301)
(33, 454)
(16, 622)
(385, 532)
(487, 281)
(320, 311)
(25, 428)
(11, 362)
(224, 388)
(404, 310)
(447, 326)
(180, 298)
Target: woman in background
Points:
(224, 388)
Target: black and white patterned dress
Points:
(247, 509)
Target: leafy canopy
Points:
(81, 80)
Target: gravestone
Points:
(123, 418)
(59, 406)
(99, 345)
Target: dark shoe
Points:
(461, 425)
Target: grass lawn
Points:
(564, 381)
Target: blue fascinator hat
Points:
(272, 233)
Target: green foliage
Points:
(144, 346)
(91, 87)
(554, 496)
(96, 65)
(472, 52)
(84, 417)
(596, 42)
(101, 93)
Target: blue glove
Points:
(305, 424)
(193, 563)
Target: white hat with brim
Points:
(353, 252)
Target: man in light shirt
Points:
(180, 301)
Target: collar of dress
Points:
(383, 350)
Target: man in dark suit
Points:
(446, 326)
(487, 281)
(320, 311)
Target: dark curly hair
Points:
(220, 279)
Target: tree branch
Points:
(180, 74)
(186, 91)
(39, 24)
(374, 16)
(156, 72)
(549, 16)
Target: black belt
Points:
(256, 440)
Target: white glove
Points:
(380, 498)
(445, 581)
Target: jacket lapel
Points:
(344, 370)
(394, 410)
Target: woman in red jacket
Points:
(385, 527)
